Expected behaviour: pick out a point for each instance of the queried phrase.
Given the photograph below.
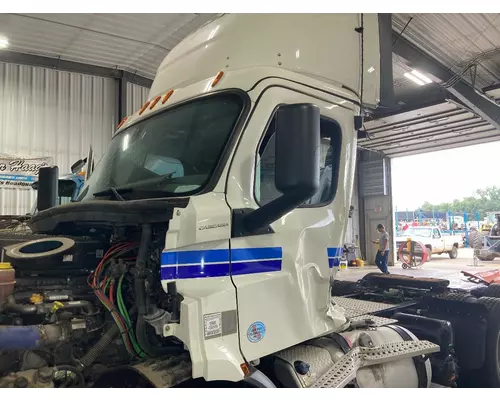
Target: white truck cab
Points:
(250, 132)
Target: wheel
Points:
(429, 254)
(479, 291)
(405, 266)
(492, 290)
(490, 371)
(487, 258)
(342, 288)
(453, 253)
(464, 297)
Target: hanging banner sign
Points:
(20, 173)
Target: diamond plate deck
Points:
(377, 321)
(344, 370)
(355, 307)
(318, 358)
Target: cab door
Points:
(282, 274)
(439, 243)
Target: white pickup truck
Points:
(432, 238)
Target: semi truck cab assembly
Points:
(202, 249)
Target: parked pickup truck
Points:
(432, 238)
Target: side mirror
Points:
(90, 162)
(297, 163)
(298, 150)
(48, 185)
(77, 167)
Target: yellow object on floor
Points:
(360, 262)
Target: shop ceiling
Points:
(458, 53)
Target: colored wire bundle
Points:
(113, 301)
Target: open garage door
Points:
(375, 201)
(438, 127)
(493, 93)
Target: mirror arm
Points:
(274, 210)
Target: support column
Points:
(122, 98)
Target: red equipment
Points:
(412, 254)
(486, 277)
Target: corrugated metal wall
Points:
(52, 113)
(136, 97)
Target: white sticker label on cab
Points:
(212, 325)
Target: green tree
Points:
(482, 201)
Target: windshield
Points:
(169, 154)
(421, 232)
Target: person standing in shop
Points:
(382, 258)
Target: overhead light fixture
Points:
(370, 70)
(4, 42)
(414, 79)
(418, 77)
(421, 76)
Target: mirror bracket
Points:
(238, 228)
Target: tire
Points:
(490, 372)
(487, 258)
(492, 290)
(343, 288)
(479, 292)
(463, 297)
(453, 253)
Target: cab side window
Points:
(436, 234)
(331, 137)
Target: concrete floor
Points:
(440, 267)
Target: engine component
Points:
(65, 253)
(40, 248)
(31, 336)
(163, 372)
(88, 359)
(7, 280)
(52, 268)
(141, 300)
(158, 318)
(32, 378)
(60, 294)
(43, 377)
(47, 308)
(62, 373)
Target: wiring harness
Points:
(107, 282)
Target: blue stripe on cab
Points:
(195, 257)
(256, 267)
(195, 271)
(264, 253)
(219, 270)
(216, 263)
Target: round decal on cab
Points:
(256, 332)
